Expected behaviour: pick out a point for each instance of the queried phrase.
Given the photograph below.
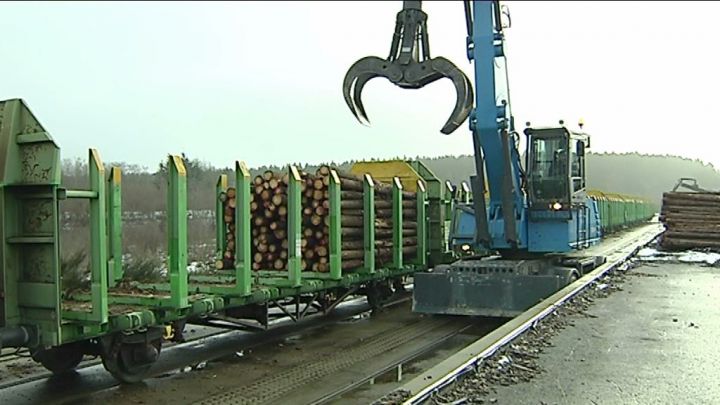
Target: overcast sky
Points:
(261, 81)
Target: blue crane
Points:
(535, 209)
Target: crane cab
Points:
(555, 167)
(561, 216)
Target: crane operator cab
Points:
(555, 164)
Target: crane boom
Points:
(532, 211)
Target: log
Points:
(352, 264)
(379, 233)
(674, 243)
(323, 170)
(357, 203)
(692, 235)
(279, 199)
(360, 244)
(223, 263)
(351, 204)
(382, 252)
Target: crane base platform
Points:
(495, 287)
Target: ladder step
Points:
(31, 239)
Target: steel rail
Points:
(278, 327)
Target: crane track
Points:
(422, 389)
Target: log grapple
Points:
(409, 66)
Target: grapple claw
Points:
(359, 73)
(408, 69)
(463, 90)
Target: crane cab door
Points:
(555, 169)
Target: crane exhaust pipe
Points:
(409, 66)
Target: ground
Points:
(653, 340)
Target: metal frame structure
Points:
(120, 320)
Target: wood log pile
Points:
(692, 220)
(269, 212)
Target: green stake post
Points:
(397, 223)
(220, 226)
(177, 231)
(294, 263)
(243, 276)
(335, 227)
(98, 242)
(421, 225)
(114, 226)
(369, 223)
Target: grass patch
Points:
(75, 271)
(147, 267)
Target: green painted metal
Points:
(114, 226)
(369, 223)
(134, 320)
(422, 253)
(397, 223)
(294, 262)
(99, 244)
(98, 241)
(451, 195)
(89, 194)
(314, 275)
(436, 226)
(29, 190)
(335, 229)
(151, 311)
(243, 265)
(177, 232)
(31, 251)
(220, 226)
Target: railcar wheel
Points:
(130, 362)
(60, 359)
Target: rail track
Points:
(91, 377)
(386, 353)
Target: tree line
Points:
(636, 174)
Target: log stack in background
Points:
(228, 201)
(269, 222)
(692, 220)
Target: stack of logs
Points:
(269, 212)
(692, 220)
